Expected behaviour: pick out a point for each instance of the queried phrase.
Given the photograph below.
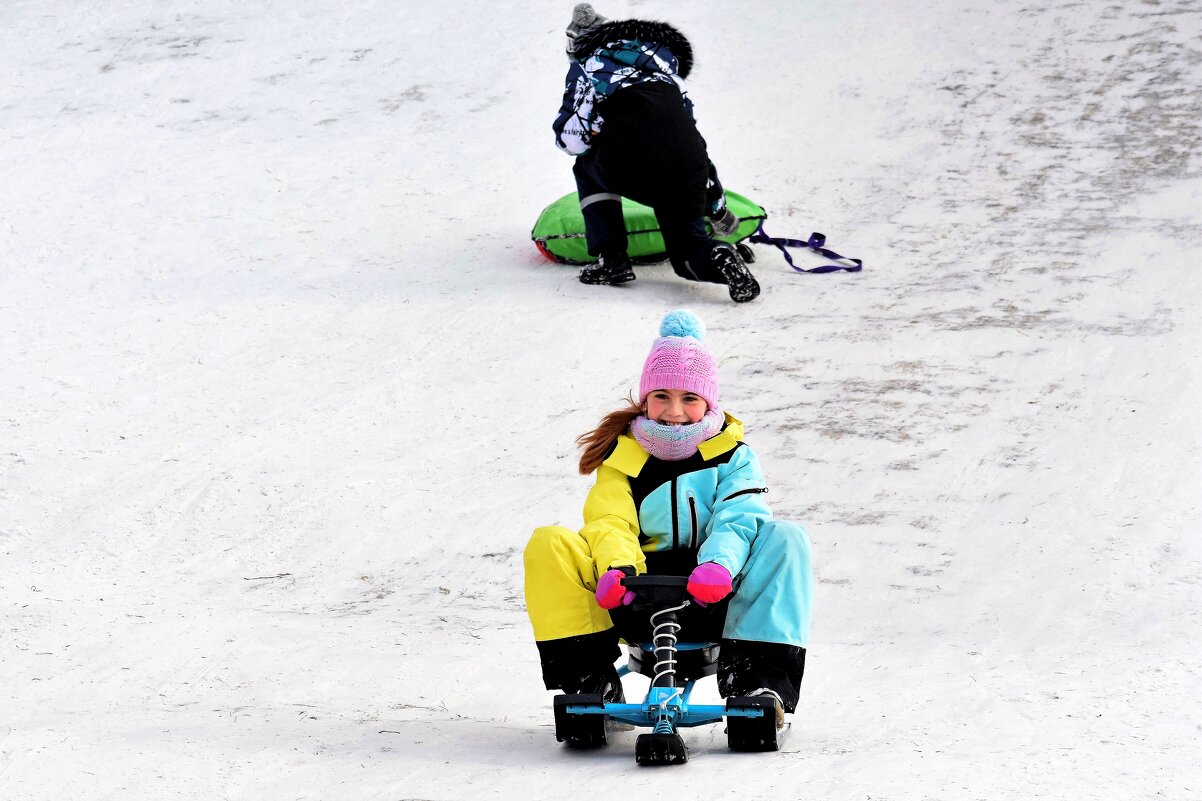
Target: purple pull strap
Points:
(815, 243)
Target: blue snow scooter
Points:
(673, 667)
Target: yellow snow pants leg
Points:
(561, 582)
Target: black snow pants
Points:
(650, 151)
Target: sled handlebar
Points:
(657, 591)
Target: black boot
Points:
(609, 271)
(751, 668)
(583, 664)
(602, 680)
(739, 280)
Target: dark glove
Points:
(724, 222)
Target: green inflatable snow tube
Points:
(559, 231)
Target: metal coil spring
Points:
(665, 631)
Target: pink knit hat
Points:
(680, 360)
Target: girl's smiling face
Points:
(675, 407)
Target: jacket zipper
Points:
(693, 517)
(744, 492)
(675, 522)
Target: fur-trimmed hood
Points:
(641, 30)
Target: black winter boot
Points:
(583, 664)
(609, 272)
(739, 280)
(601, 680)
(749, 667)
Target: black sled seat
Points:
(694, 660)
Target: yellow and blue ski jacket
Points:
(673, 515)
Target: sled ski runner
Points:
(753, 723)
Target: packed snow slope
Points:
(286, 387)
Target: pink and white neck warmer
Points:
(674, 443)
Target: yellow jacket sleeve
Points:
(611, 522)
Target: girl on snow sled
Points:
(677, 492)
(628, 121)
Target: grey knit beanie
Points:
(584, 19)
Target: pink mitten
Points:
(709, 583)
(610, 592)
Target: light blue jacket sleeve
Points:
(739, 512)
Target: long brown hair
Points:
(596, 443)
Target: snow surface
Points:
(286, 387)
